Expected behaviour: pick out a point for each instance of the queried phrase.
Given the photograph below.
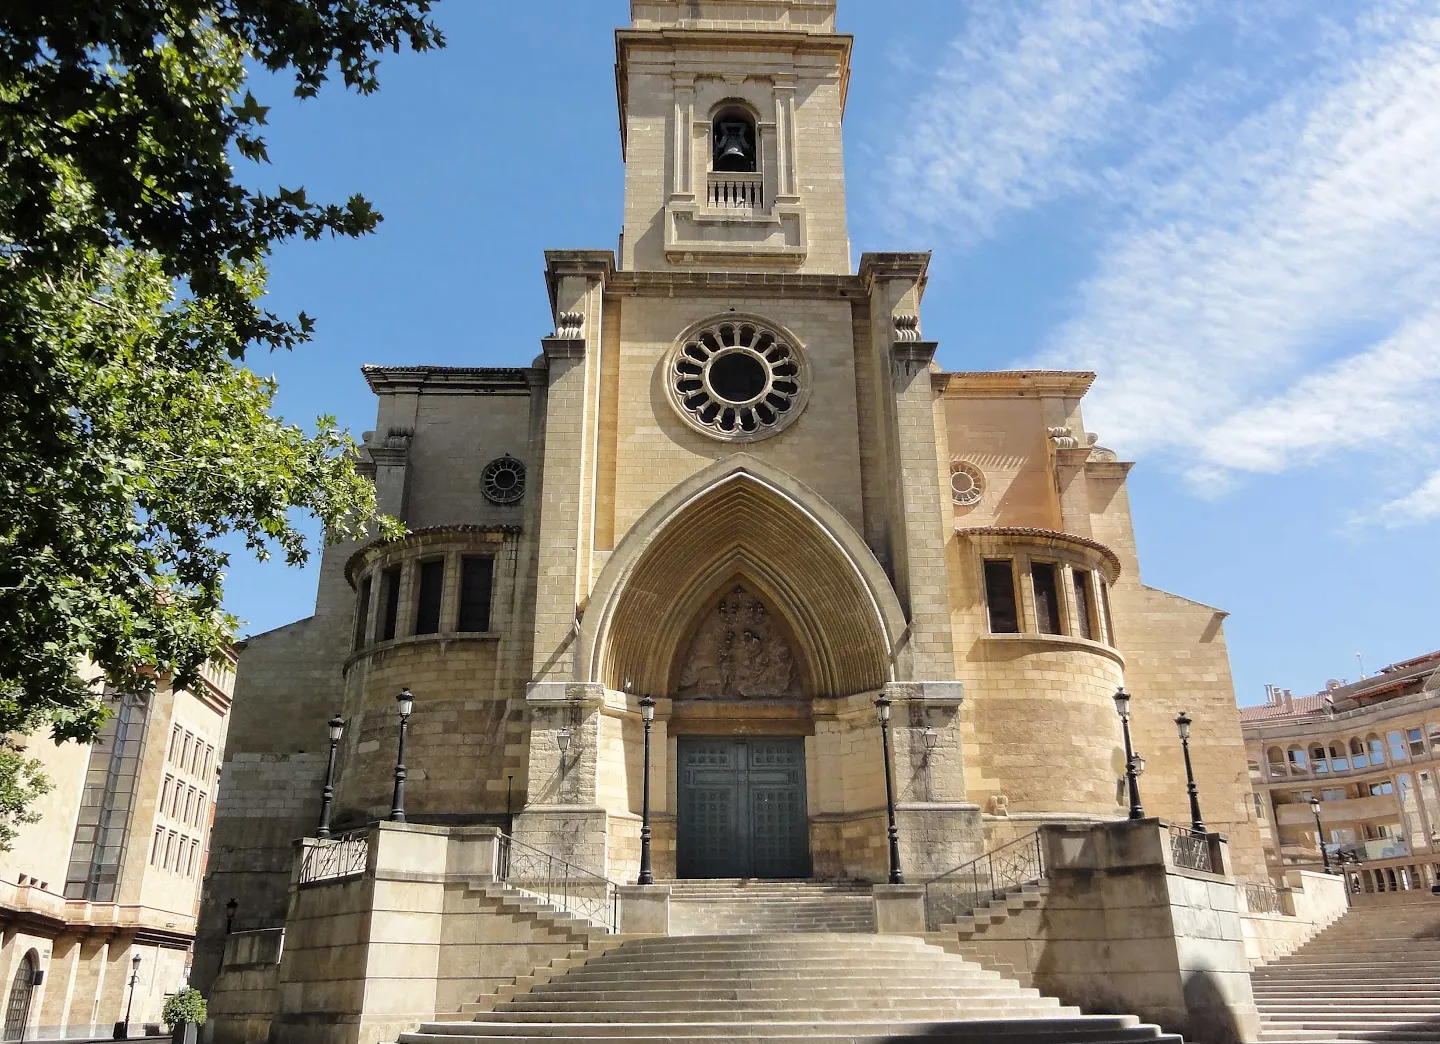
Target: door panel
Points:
(742, 808)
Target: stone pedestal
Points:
(899, 909)
(644, 909)
(1129, 930)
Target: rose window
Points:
(503, 480)
(967, 482)
(737, 380)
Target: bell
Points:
(733, 150)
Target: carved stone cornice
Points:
(908, 265)
(562, 348)
(448, 380)
(914, 355)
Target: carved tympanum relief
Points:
(738, 652)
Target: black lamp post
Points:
(647, 715)
(230, 908)
(123, 1031)
(327, 795)
(1132, 775)
(1182, 725)
(406, 703)
(882, 711)
(1320, 835)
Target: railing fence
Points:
(953, 894)
(558, 882)
(1189, 849)
(327, 859)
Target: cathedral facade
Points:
(735, 480)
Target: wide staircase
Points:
(797, 986)
(738, 907)
(1373, 975)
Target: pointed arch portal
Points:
(741, 520)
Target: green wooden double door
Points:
(742, 807)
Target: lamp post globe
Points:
(1182, 726)
(1320, 835)
(336, 728)
(647, 719)
(405, 703)
(1132, 766)
(882, 712)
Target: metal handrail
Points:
(557, 881)
(960, 890)
(1261, 898)
(333, 858)
(1189, 849)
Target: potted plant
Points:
(184, 1013)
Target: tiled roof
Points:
(1300, 707)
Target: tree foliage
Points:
(187, 1007)
(131, 275)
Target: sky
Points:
(1230, 211)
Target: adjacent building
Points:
(113, 868)
(1359, 762)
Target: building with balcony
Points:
(1362, 759)
(113, 867)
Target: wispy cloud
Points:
(1266, 296)
(1021, 96)
(1423, 505)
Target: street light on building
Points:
(1320, 835)
(230, 908)
(122, 1029)
(327, 795)
(406, 703)
(647, 717)
(1182, 725)
(882, 711)
(1132, 768)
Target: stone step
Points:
(816, 995)
(1091, 1028)
(659, 1012)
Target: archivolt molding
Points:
(741, 520)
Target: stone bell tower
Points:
(730, 119)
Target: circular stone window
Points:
(503, 480)
(967, 482)
(737, 379)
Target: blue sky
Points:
(1231, 211)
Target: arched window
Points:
(1297, 761)
(1339, 761)
(1275, 758)
(734, 147)
(1377, 749)
(1357, 753)
(17, 1011)
(1318, 761)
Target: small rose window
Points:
(503, 480)
(967, 482)
(737, 380)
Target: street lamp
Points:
(122, 1031)
(327, 795)
(882, 711)
(1320, 834)
(1132, 773)
(930, 738)
(406, 703)
(230, 908)
(1182, 725)
(647, 715)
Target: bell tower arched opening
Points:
(734, 144)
